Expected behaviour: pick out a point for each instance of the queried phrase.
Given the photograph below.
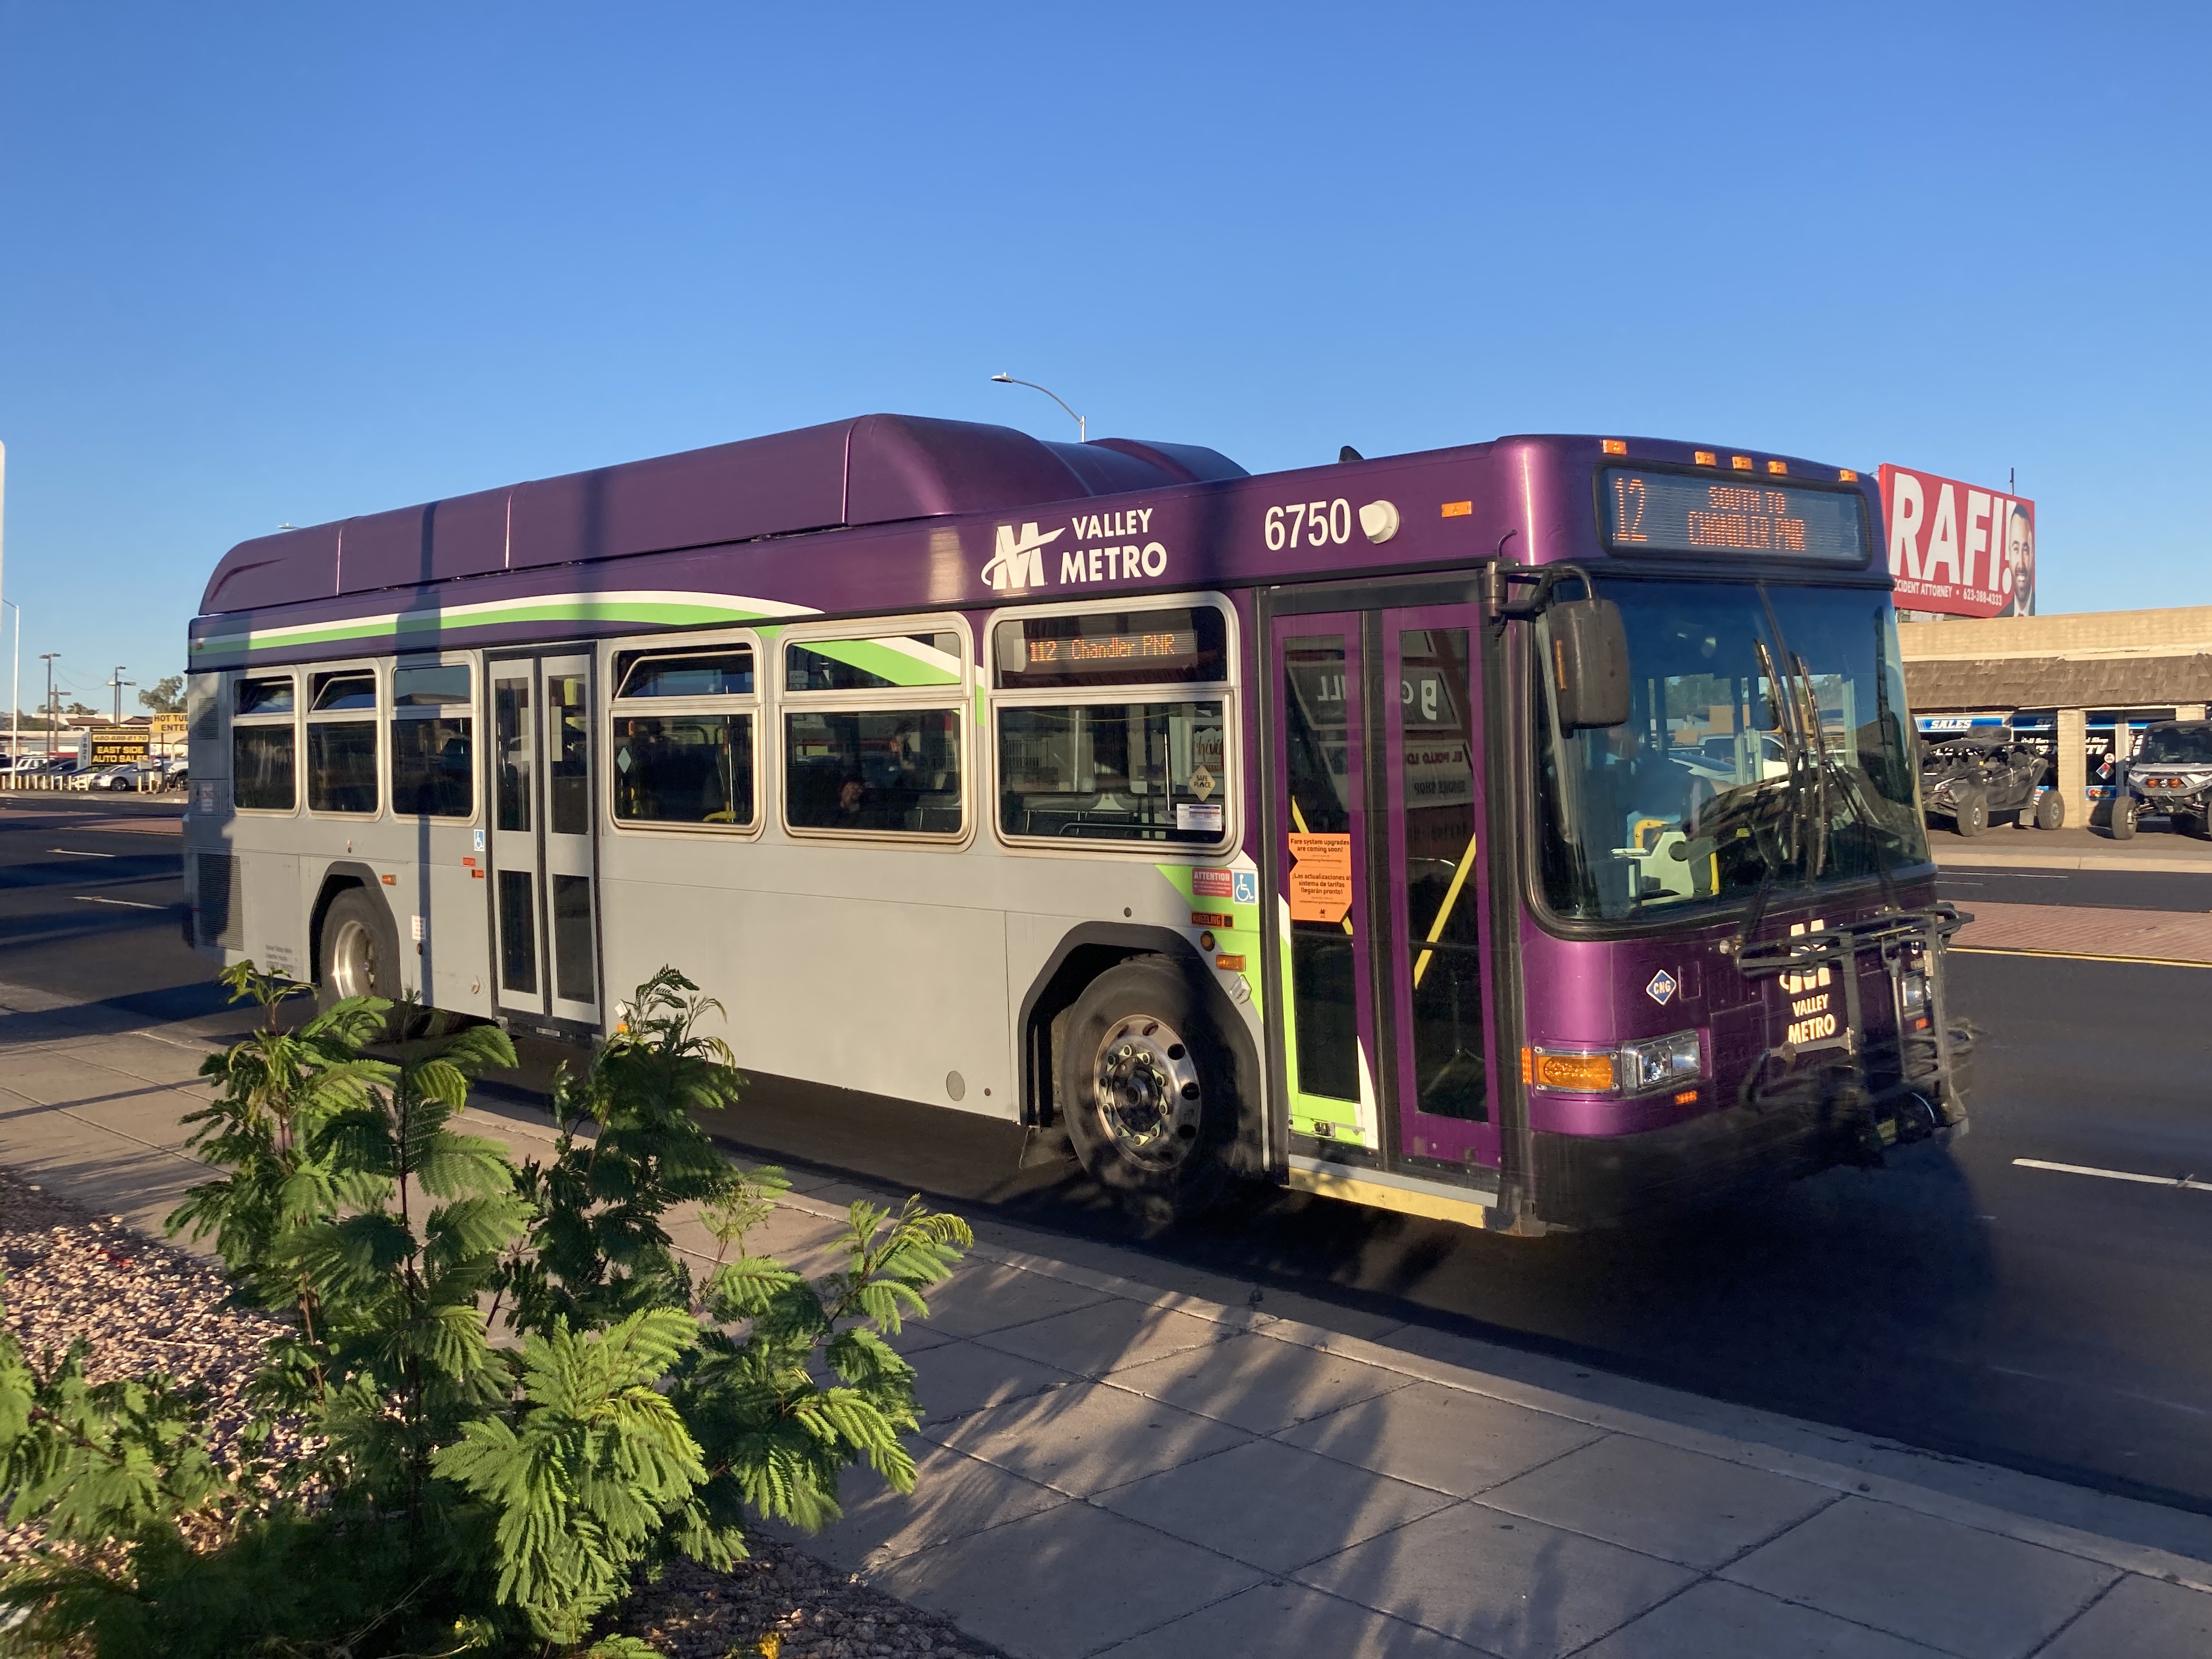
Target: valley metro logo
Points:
(1018, 561)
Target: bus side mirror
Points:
(1590, 663)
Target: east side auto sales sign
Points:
(1958, 549)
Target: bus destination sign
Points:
(1179, 645)
(1671, 512)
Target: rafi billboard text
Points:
(1956, 547)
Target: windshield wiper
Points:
(1849, 787)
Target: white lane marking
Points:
(72, 853)
(2091, 1387)
(87, 898)
(2188, 1180)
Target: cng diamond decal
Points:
(1661, 988)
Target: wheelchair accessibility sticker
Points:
(1248, 887)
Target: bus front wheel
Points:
(1145, 1089)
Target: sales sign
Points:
(1958, 549)
(112, 745)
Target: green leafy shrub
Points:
(461, 1496)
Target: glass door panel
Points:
(574, 928)
(514, 834)
(1328, 1039)
(1437, 990)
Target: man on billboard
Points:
(2019, 558)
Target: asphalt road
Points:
(1959, 1300)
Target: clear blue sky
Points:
(264, 262)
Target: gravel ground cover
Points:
(145, 1305)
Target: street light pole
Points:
(1082, 432)
(15, 698)
(47, 658)
(119, 682)
(4, 584)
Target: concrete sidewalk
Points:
(2154, 848)
(1123, 1458)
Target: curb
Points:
(1993, 859)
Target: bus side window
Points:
(682, 740)
(342, 742)
(886, 762)
(265, 744)
(889, 771)
(433, 748)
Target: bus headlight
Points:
(1656, 1063)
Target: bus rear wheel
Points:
(361, 950)
(1145, 1089)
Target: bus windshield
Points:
(1767, 747)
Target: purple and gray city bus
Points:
(1525, 833)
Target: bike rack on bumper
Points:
(1859, 1093)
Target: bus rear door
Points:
(545, 920)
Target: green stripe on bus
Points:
(666, 613)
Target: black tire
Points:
(2124, 819)
(2051, 810)
(2186, 823)
(1147, 1088)
(358, 953)
(1971, 816)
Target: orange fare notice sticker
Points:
(1320, 877)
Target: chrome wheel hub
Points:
(352, 961)
(1148, 1091)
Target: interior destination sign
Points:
(1115, 648)
(1671, 513)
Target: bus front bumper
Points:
(1796, 1126)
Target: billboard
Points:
(111, 746)
(1956, 549)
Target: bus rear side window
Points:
(262, 769)
(889, 662)
(684, 768)
(433, 747)
(269, 696)
(433, 775)
(893, 772)
(342, 766)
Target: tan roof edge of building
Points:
(2178, 631)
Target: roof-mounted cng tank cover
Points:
(870, 470)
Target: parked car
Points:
(1980, 776)
(2170, 773)
(117, 777)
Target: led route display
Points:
(1182, 646)
(1670, 513)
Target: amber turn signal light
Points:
(1578, 1073)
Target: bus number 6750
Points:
(1319, 522)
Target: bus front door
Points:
(1383, 903)
(545, 923)
(1440, 898)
